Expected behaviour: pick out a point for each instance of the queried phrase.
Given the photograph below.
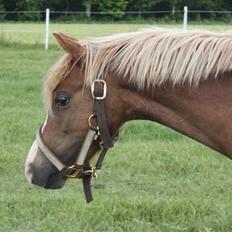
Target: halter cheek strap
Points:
(99, 91)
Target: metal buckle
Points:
(104, 89)
(73, 171)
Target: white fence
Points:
(48, 13)
(47, 20)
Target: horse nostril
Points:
(39, 175)
(34, 180)
(38, 180)
(34, 177)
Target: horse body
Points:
(201, 111)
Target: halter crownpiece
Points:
(100, 131)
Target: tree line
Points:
(114, 9)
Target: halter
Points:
(100, 131)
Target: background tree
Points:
(204, 5)
(29, 5)
(2, 9)
(115, 8)
(88, 4)
(142, 5)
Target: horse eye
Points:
(62, 101)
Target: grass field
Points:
(154, 179)
(35, 33)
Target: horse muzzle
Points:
(40, 172)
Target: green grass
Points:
(154, 179)
(27, 33)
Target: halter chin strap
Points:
(99, 91)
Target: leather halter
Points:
(99, 91)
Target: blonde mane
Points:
(152, 57)
(55, 76)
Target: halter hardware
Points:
(91, 117)
(100, 130)
(73, 171)
(100, 82)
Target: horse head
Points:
(70, 118)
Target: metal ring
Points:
(90, 122)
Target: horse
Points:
(181, 79)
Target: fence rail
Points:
(122, 12)
(92, 12)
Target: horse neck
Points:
(202, 113)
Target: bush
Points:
(28, 5)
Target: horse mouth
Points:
(55, 181)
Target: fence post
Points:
(47, 28)
(185, 20)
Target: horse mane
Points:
(156, 56)
(56, 74)
(152, 57)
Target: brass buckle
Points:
(73, 171)
(104, 89)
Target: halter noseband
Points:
(99, 91)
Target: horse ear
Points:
(70, 45)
